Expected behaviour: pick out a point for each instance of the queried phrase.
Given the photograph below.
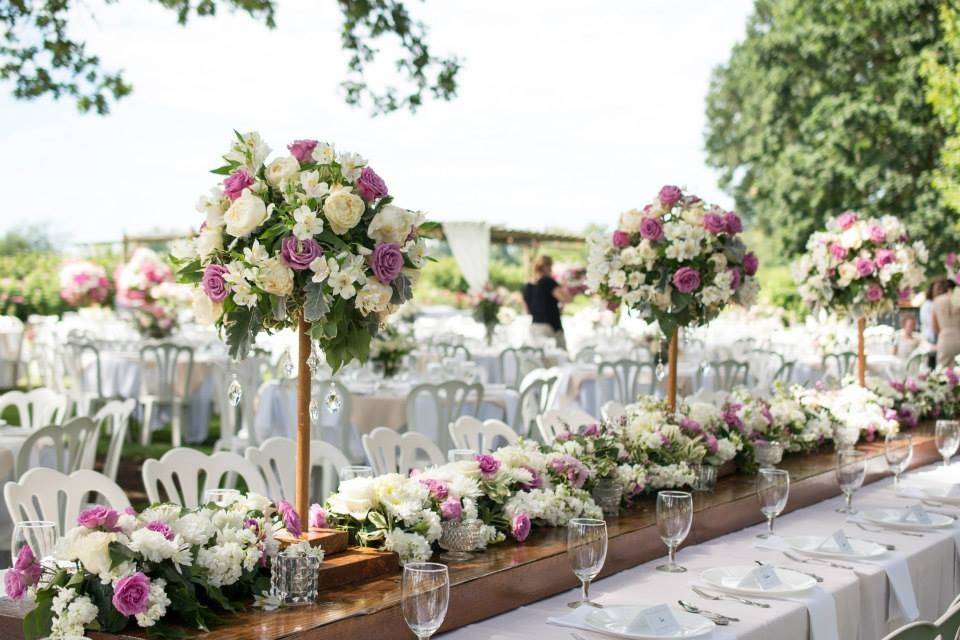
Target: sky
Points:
(567, 113)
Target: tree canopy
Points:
(941, 68)
(40, 57)
(822, 108)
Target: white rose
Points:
(180, 249)
(391, 224)
(848, 273)
(275, 278)
(354, 497)
(245, 214)
(209, 241)
(630, 220)
(373, 297)
(281, 170)
(343, 210)
(205, 310)
(93, 551)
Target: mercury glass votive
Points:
(293, 578)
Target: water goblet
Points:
(424, 596)
(461, 455)
(352, 471)
(587, 551)
(897, 450)
(773, 489)
(220, 497)
(674, 518)
(851, 468)
(947, 439)
(39, 535)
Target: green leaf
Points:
(278, 307)
(242, 328)
(37, 623)
(315, 305)
(225, 170)
(120, 553)
(402, 290)
(273, 231)
(429, 225)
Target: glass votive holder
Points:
(768, 454)
(704, 477)
(607, 494)
(293, 578)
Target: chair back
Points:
(586, 355)
(37, 408)
(632, 379)
(785, 373)
(949, 623)
(452, 350)
(273, 459)
(468, 432)
(390, 452)
(182, 475)
(77, 356)
(448, 401)
(159, 368)
(537, 395)
(729, 374)
(74, 446)
(915, 364)
(114, 418)
(517, 362)
(839, 365)
(556, 421)
(917, 631)
(48, 494)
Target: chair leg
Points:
(147, 426)
(177, 418)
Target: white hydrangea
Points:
(224, 562)
(71, 614)
(157, 604)
(194, 528)
(411, 547)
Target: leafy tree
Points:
(38, 55)
(941, 69)
(821, 109)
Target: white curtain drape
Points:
(470, 244)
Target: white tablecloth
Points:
(862, 597)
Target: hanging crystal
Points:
(234, 390)
(314, 411)
(333, 400)
(313, 360)
(660, 371)
(286, 364)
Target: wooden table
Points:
(510, 575)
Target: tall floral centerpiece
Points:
(308, 241)
(145, 288)
(83, 283)
(678, 261)
(389, 347)
(860, 267)
(487, 303)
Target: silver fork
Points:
(829, 563)
(717, 618)
(888, 547)
(912, 534)
(939, 505)
(806, 573)
(727, 596)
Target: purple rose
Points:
(570, 468)
(865, 267)
(536, 481)
(302, 150)
(651, 229)
(686, 279)
(669, 195)
(590, 430)
(131, 595)
(99, 517)
(711, 441)
(236, 182)
(160, 527)
(370, 186)
(714, 223)
(387, 262)
(732, 222)
(437, 488)
(291, 520)
(213, 283)
(488, 464)
(846, 220)
(621, 239)
(450, 509)
(885, 257)
(750, 264)
(28, 566)
(298, 254)
(877, 234)
(318, 517)
(15, 584)
(952, 376)
(734, 277)
(730, 416)
(874, 292)
(691, 425)
(563, 436)
(839, 252)
(520, 527)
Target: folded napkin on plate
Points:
(577, 619)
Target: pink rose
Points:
(131, 595)
(438, 489)
(846, 220)
(713, 222)
(688, 424)
(387, 262)
(651, 229)
(298, 254)
(669, 195)
(874, 292)
(302, 150)
(27, 565)
(160, 527)
(750, 264)
(711, 441)
(885, 257)
(450, 509)
(732, 222)
(838, 251)
(734, 277)
(621, 239)
(686, 279)
(213, 282)
(865, 267)
(370, 186)
(236, 182)
(98, 517)
(291, 520)
(14, 584)
(488, 464)
(318, 517)
(591, 430)
(520, 527)
(877, 234)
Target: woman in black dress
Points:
(543, 296)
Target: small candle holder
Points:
(607, 494)
(769, 454)
(293, 578)
(704, 477)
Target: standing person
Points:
(934, 289)
(543, 296)
(946, 326)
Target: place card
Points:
(659, 620)
(764, 577)
(917, 514)
(837, 542)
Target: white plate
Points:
(728, 579)
(941, 494)
(891, 518)
(809, 545)
(614, 620)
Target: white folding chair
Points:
(468, 432)
(115, 417)
(631, 378)
(74, 446)
(448, 400)
(274, 458)
(36, 408)
(555, 421)
(390, 452)
(182, 475)
(537, 395)
(162, 385)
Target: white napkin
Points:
(901, 584)
(577, 619)
(822, 609)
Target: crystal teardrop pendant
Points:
(234, 391)
(333, 399)
(314, 411)
(661, 371)
(286, 364)
(313, 360)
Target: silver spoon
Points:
(727, 596)
(888, 547)
(716, 618)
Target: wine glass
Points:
(352, 471)
(220, 497)
(587, 550)
(773, 489)
(39, 535)
(948, 439)
(461, 455)
(851, 468)
(898, 449)
(424, 596)
(674, 518)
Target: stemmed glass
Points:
(587, 550)
(220, 497)
(39, 535)
(898, 449)
(851, 468)
(355, 471)
(948, 439)
(460, 455)
(424, 596)
(674, 518)
(773, 489)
